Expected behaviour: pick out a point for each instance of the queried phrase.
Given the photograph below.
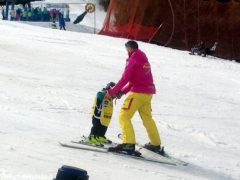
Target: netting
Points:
(177, 23)
(125, 20)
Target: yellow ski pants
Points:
(142, 103)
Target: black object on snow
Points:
(71, 173)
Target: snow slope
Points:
(48, 79)
(69, 25)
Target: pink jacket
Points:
(137, 76)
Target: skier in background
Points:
(210, 51)
(53, 14)
(54, 25)
(13, 15)
(199, 48)
(45, 14)
(3, 13)
(29, 15)
(101, 116)
(62, 23)
(18, 14)
(136, 79)
(24, 15)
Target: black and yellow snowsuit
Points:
(102, 111)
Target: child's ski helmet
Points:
(110, 85)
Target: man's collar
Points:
(131, 53)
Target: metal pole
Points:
(7, 10)
(95, 21)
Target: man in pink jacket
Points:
(136, 80)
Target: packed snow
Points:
(48, 80)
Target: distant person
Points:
(18, 14)
(210, 51)
(45, 14)
(199, 48)
(24, 14)
(40, 14)
(29, 15)
(54, 13)
(54, 25)
(3, 13)
(13, 15)
(62, 23)
(35, 14)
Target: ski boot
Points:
(103, 140)
(128, 149)
(156, 149)
(92, 140)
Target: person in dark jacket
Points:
(3, 14)
(199, 48)
(210, 51)
(46, 15)
(18, 14)
(62, 23)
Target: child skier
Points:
(101, 116)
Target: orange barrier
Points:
(177, 23)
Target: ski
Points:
(105, 151)
(84, 147)
(165, 155)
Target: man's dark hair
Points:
(132, 44)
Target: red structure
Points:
(178, 23)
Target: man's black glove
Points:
(119, 95)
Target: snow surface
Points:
(69, 26)
(48, 79)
